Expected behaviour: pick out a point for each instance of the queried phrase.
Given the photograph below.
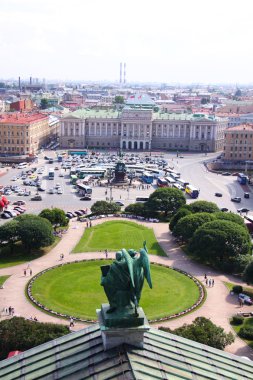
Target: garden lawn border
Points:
(197, 304)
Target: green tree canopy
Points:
(119, 99)
(219, 241)
(183, 211)
(34, 231)
(167, 200)
(204, 331)
(136, 209)
(19, 334)
(56, 216)
(186, 226)
(44, 103)
(103, 207)
(248, 273)
(232, 217)
(203, 206)
(9, 232)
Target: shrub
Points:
(187, 225)
(246, 333)
(203, 206)
(237, 289)
(237, 320)
(248, 273)
(182, 212)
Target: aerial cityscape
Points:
(126, 192)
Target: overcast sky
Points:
(167, 41)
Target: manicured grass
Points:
(19, 254)
(115, 235)
(3, 279)
(75, 289)
(248, 322)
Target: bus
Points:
(156, 173)
(182, 182)
(141, 199)
(161, 182)
(170, 180)
(77, 153)
(192, 191)
(147, 178)
(178, 186)
(51, 173)
(83, 189)
(242, 178)
(93, 172)
(73, 179)
(175, 175)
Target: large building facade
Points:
(238, 143)
(142, 129)
(25, 133)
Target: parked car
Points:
(226, 173)
(5, 215)
(224, 209)
(19, 209)
(51, 191)
(85, 198)
(78, 213)
(19, 203)
(245, 299)
(11, 213)
(59, 190)
(243, 209)
(36, 198)
(218, 194)
(119, 203)
(69, 215)
(236, 199)
(246, 195)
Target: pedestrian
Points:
(24, 272)
(207, 282)
(12, 311)
(212, 282)
(90, 224)
(10, 308)
(31, 272)
(35, 319)
(87, 224)
(71, 322)
(106, 254)
(205, 277)
(28, 265)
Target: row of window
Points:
(242, 135)
(13, 149)
(12, 133)
(240, 155)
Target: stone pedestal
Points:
(131, 331)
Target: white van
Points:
(22, 165)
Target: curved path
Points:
(219, 305)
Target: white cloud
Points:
(191, 41)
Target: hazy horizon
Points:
(162, 42)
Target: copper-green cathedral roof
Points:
(81, 355)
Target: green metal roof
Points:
(80, 355)
(85, 113)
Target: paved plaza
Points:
(219, 305)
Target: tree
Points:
(186, 226)
(241, 262)
(204, 331)
(56, 216)
(44, 103)
(230, 217)
(19, 334)
(9, 233)
(203, 206)
(167, 200)
(119, 99)
(183, 211)
(103, 207)
(248, 273)
(136, 209)
(34, 231)
(219, 242)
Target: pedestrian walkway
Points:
(219, 305)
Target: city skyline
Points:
(187, 42)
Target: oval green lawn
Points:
(118, 234)
(74, 289)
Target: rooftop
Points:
(21, 118)
(242, 127)
(81, 355)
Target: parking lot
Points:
(59, 192)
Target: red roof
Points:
(13, 353)
(242, 127)
(21, 118)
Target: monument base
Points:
(122, 329)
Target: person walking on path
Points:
(209, 282)
(24, 272)
(31, 272)
(205, 277)
(71, 322)
(206, 281)
(106, 254)
(10, 309)
(212, 282)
